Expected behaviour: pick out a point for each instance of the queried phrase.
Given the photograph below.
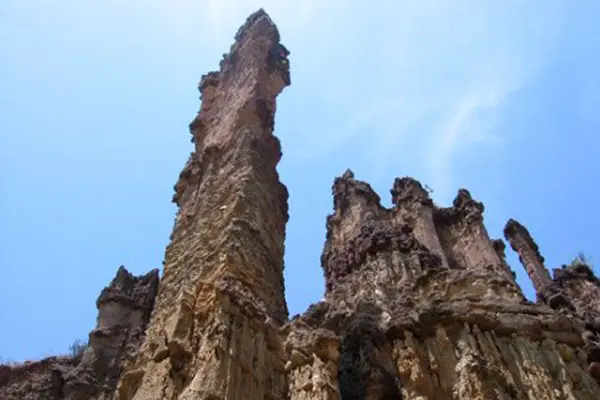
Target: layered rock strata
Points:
(214, 330)
(123, 312)
(420, 302)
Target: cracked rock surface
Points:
(419, 301)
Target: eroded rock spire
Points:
(222, 295)
(529, 254)
(92, 372)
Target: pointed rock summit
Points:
(221, 300)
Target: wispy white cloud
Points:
(427, 75)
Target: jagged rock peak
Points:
(529, 254)
(258, 28)
(464, 210)
(464, 201)
(346, 190)
(348, 174)
(499, 245)
(257, 69)
(259, 16)
(136, 291)
(124, 308)
(409, 189)
(514, 228)
(513, 231)
(227, 244)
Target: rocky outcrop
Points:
(573, 291)
(366, 367)
(459, 329)
(420, 303)
(214, 330)
(123, 312)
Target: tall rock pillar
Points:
(213, 331)
(529, 254)
(573, 289)
(357, 210)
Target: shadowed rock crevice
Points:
(366, 368)
(574, 290)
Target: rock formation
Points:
(123, 312)
(419, 302)
(214, 330)
(573, 291)
(451, 322)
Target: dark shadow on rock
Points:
(367, 369)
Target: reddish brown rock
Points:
(529, 254)
(414, 207)
(221, 299)
(419, 302)
(453, 330)
(466, 242)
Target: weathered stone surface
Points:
(466, 242)
(529, 254)
(574, 290)
(123, 312)
(414, 207)
(419, 302)
(460, 330)
(214, 329)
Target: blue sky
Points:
(95, 98)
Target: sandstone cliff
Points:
(420, 302)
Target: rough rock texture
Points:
(123, 312)
(529, 254)
(419, 302)
(214, 330)
(574, 290)
(445, 304)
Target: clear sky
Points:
(499, 97)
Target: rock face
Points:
(573, 291)
(123, 312)
(214, 330)
(447, 319)
(419, 303)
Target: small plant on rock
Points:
(77, 348)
